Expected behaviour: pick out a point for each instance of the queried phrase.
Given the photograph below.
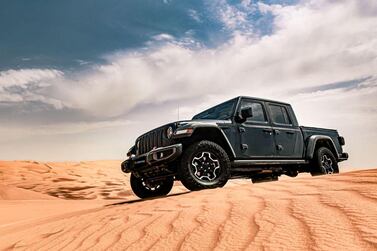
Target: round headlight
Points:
(169, 132)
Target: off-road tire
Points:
(187, 175)
(142, 191)
(317, 165)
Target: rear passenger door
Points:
(287, 134)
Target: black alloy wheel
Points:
(144, 188)
(204, 164)
(324, 162)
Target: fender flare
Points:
(223, 135)
(312, 142)
(228, 143)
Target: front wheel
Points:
(204, 164)
(144, 188)
(324, 162)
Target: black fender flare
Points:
(220, 133)
(312, 143)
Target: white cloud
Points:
(60, 129)
(194, 15)
(234, 17)
(163, 37)
(313, 45)
(27, 84)
(27, 76)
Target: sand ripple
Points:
(336, 212)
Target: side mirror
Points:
(246, 112)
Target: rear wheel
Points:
(324, 162)
(204, 164)
(144, 188)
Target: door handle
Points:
(269, 131)
(289, 132)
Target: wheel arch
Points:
(317, 141)
(214, 134)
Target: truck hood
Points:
(191, 124)
(201, 122)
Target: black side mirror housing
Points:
(246, 113)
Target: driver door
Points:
(256, 135)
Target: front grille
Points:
(152, 139)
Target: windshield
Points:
(221, 111)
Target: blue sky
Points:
(78, 79)
(67, 34)
(61, 33)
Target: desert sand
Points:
(89, 206)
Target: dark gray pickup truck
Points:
(244, 137)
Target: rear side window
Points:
(279, 115)
(258, 112)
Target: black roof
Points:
(247, 97)
(262, 99)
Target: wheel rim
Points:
(151, 186)
(205, 166)
(327, 164)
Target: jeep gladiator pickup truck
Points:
(244, 137)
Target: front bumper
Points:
(155, 157)
(343, 157)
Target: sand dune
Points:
(14, 193)
(68, 180)
(320, 213)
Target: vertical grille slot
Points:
(144, 144)
(160, 138)
(154, 143)
(147, 145)
(141, 145)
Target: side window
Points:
(279, 114)
(258, 112)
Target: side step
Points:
(260, 179)
(238, 163)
